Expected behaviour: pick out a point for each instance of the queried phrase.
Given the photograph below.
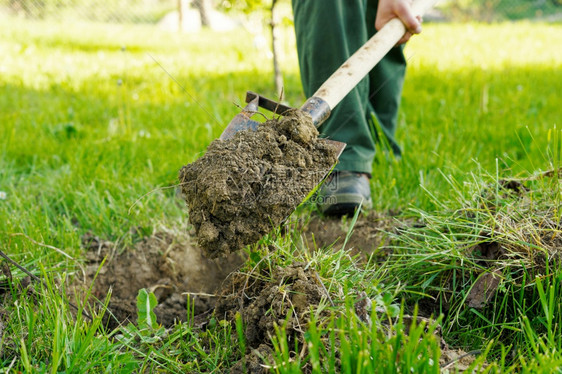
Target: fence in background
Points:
(178, 11)
(115, 11)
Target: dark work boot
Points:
(343, 192)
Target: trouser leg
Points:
(328, 32)
(385, 86)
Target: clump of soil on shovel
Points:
(244, 186)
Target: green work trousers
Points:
(328, 32)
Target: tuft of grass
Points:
(344, 343)
(508, 228)
(42, 334)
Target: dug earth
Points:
(246, 185)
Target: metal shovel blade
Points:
(242, 121)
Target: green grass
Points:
(501, 10)
(92, 129)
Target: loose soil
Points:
(245, 186)
(283, 298)
(286, 298)
(171, 264)
(167, 264)
(263, 302)
(370, 234)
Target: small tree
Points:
(204, 7)
(275, 48)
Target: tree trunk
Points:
(180, 15)
(204, 8)
(276, 49)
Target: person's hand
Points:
(402, 9)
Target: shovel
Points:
(219, 234)
(342, 81)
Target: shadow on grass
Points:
(105, 138)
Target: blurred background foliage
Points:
(154, 11)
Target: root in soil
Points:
(247, 185)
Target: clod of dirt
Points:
(247, 185)
(287, 295)
(484, 289)
(283, 298)
(166, 264)
(457, 361)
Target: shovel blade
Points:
(339, 146)
(242, 120)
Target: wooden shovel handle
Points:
(364, 60)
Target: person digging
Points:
(328, 32)
(254, 175)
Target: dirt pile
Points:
(265, 302)
(166, 264)
(284, 298)
(244, 186)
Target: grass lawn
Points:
(96, 121)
